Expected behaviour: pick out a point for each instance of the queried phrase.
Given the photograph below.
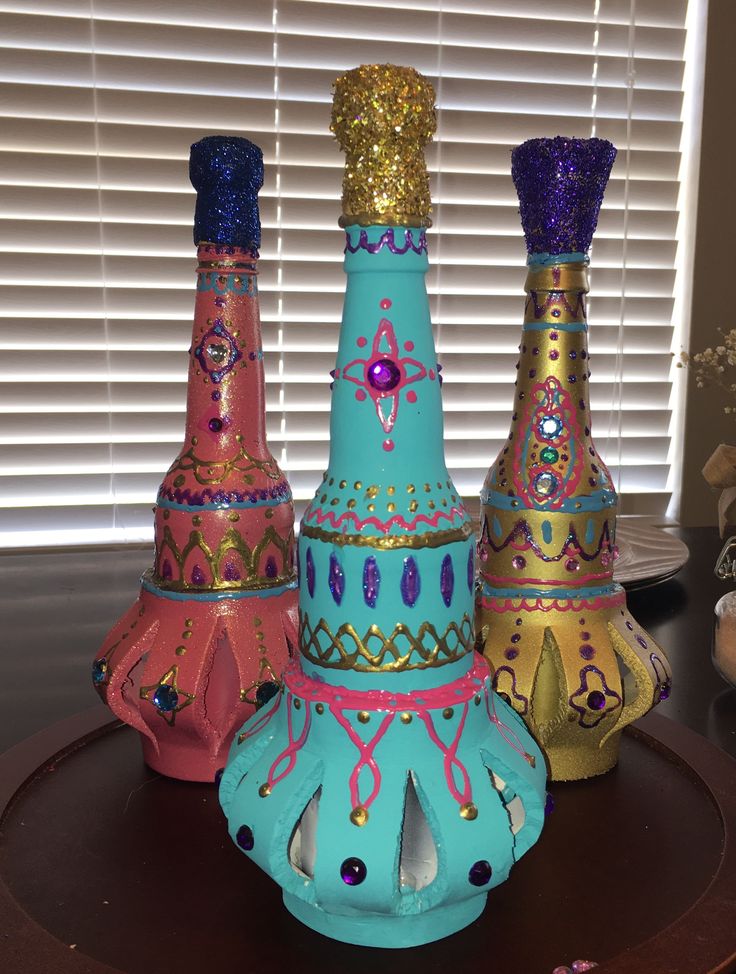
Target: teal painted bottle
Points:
(387, 788)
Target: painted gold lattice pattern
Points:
(374, 652)
(231, 541)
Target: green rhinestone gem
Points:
(549, 454)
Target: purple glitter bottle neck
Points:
(560, 183)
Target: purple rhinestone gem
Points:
(197, 576)
(642, 642)
(215, 425)
(244, 838)
(371, 582)
(166, 572)
(596, 700)
(515, 638)
(587, 652)
(353, 871)
(310, 573)
(549, 804)
(664, 691)
(480, 873)
(471, 569)
(447, 580)
(518, 561)
(410, 582)
(336, 579)
(629, 626)
(231, 573)
(384, 375)
(272, 569)
(511, 653)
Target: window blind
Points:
(99, 103)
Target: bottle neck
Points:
(226, 387)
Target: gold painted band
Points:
(429, 539)
(558, 277)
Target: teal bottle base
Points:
(380, 930)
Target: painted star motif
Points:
(171, 700)
(594, 699)
(385, 391)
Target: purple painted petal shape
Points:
(471, 569)
(336, 579)
(447, 580)
(410, 582)
(272, 569)
(310, 573)
(231, 573)
(197, 576)
(371, 582)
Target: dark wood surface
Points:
(99, 850)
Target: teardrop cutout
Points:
(336, 579)
(418, 861)
(410, 582)
(371, 582)
(447, 580)
(303, 844)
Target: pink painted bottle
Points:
(206, 641)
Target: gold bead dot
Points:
(413, 506)
(180, 650)
(439, 485)
(427, 488)
(406, 718)
(359, 816)
(187, 634)
(431, 505)
(269, 513)
(468, 811)
(239, 438)
(196, 520)
(351, 504)
(233, 516)
(371, 507)
(189, 623)
(167, 515)
(297, 704)
(320, 708)
(195, 441)
(264, 791)
(323, 498)
(343, 484)
(335, 500)
(390, 508)
(358, 484)
(391, 489)
(256, 621)
(331, 481)
(364, 716)
(410, 488)
(447, 713)
(259, 635)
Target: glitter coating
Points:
(382, 117)
(227, 173)
(560, 183)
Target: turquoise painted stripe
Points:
(262, 593)
(549, 260)
(592, 592)
(555, 326)
(229, 506)
(597, 501)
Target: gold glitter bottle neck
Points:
(556, 295)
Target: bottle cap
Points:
(382, 117)
(560, 183)
(227, 173)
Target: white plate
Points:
(647, 554)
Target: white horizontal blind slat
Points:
(95, 179)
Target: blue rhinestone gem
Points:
(165, 698)
(480, 873)
(266, 691)
(244, 838)
(310, 573)
(550, 427)
(353, 872)
(99, 671)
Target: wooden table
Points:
(103, 860)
